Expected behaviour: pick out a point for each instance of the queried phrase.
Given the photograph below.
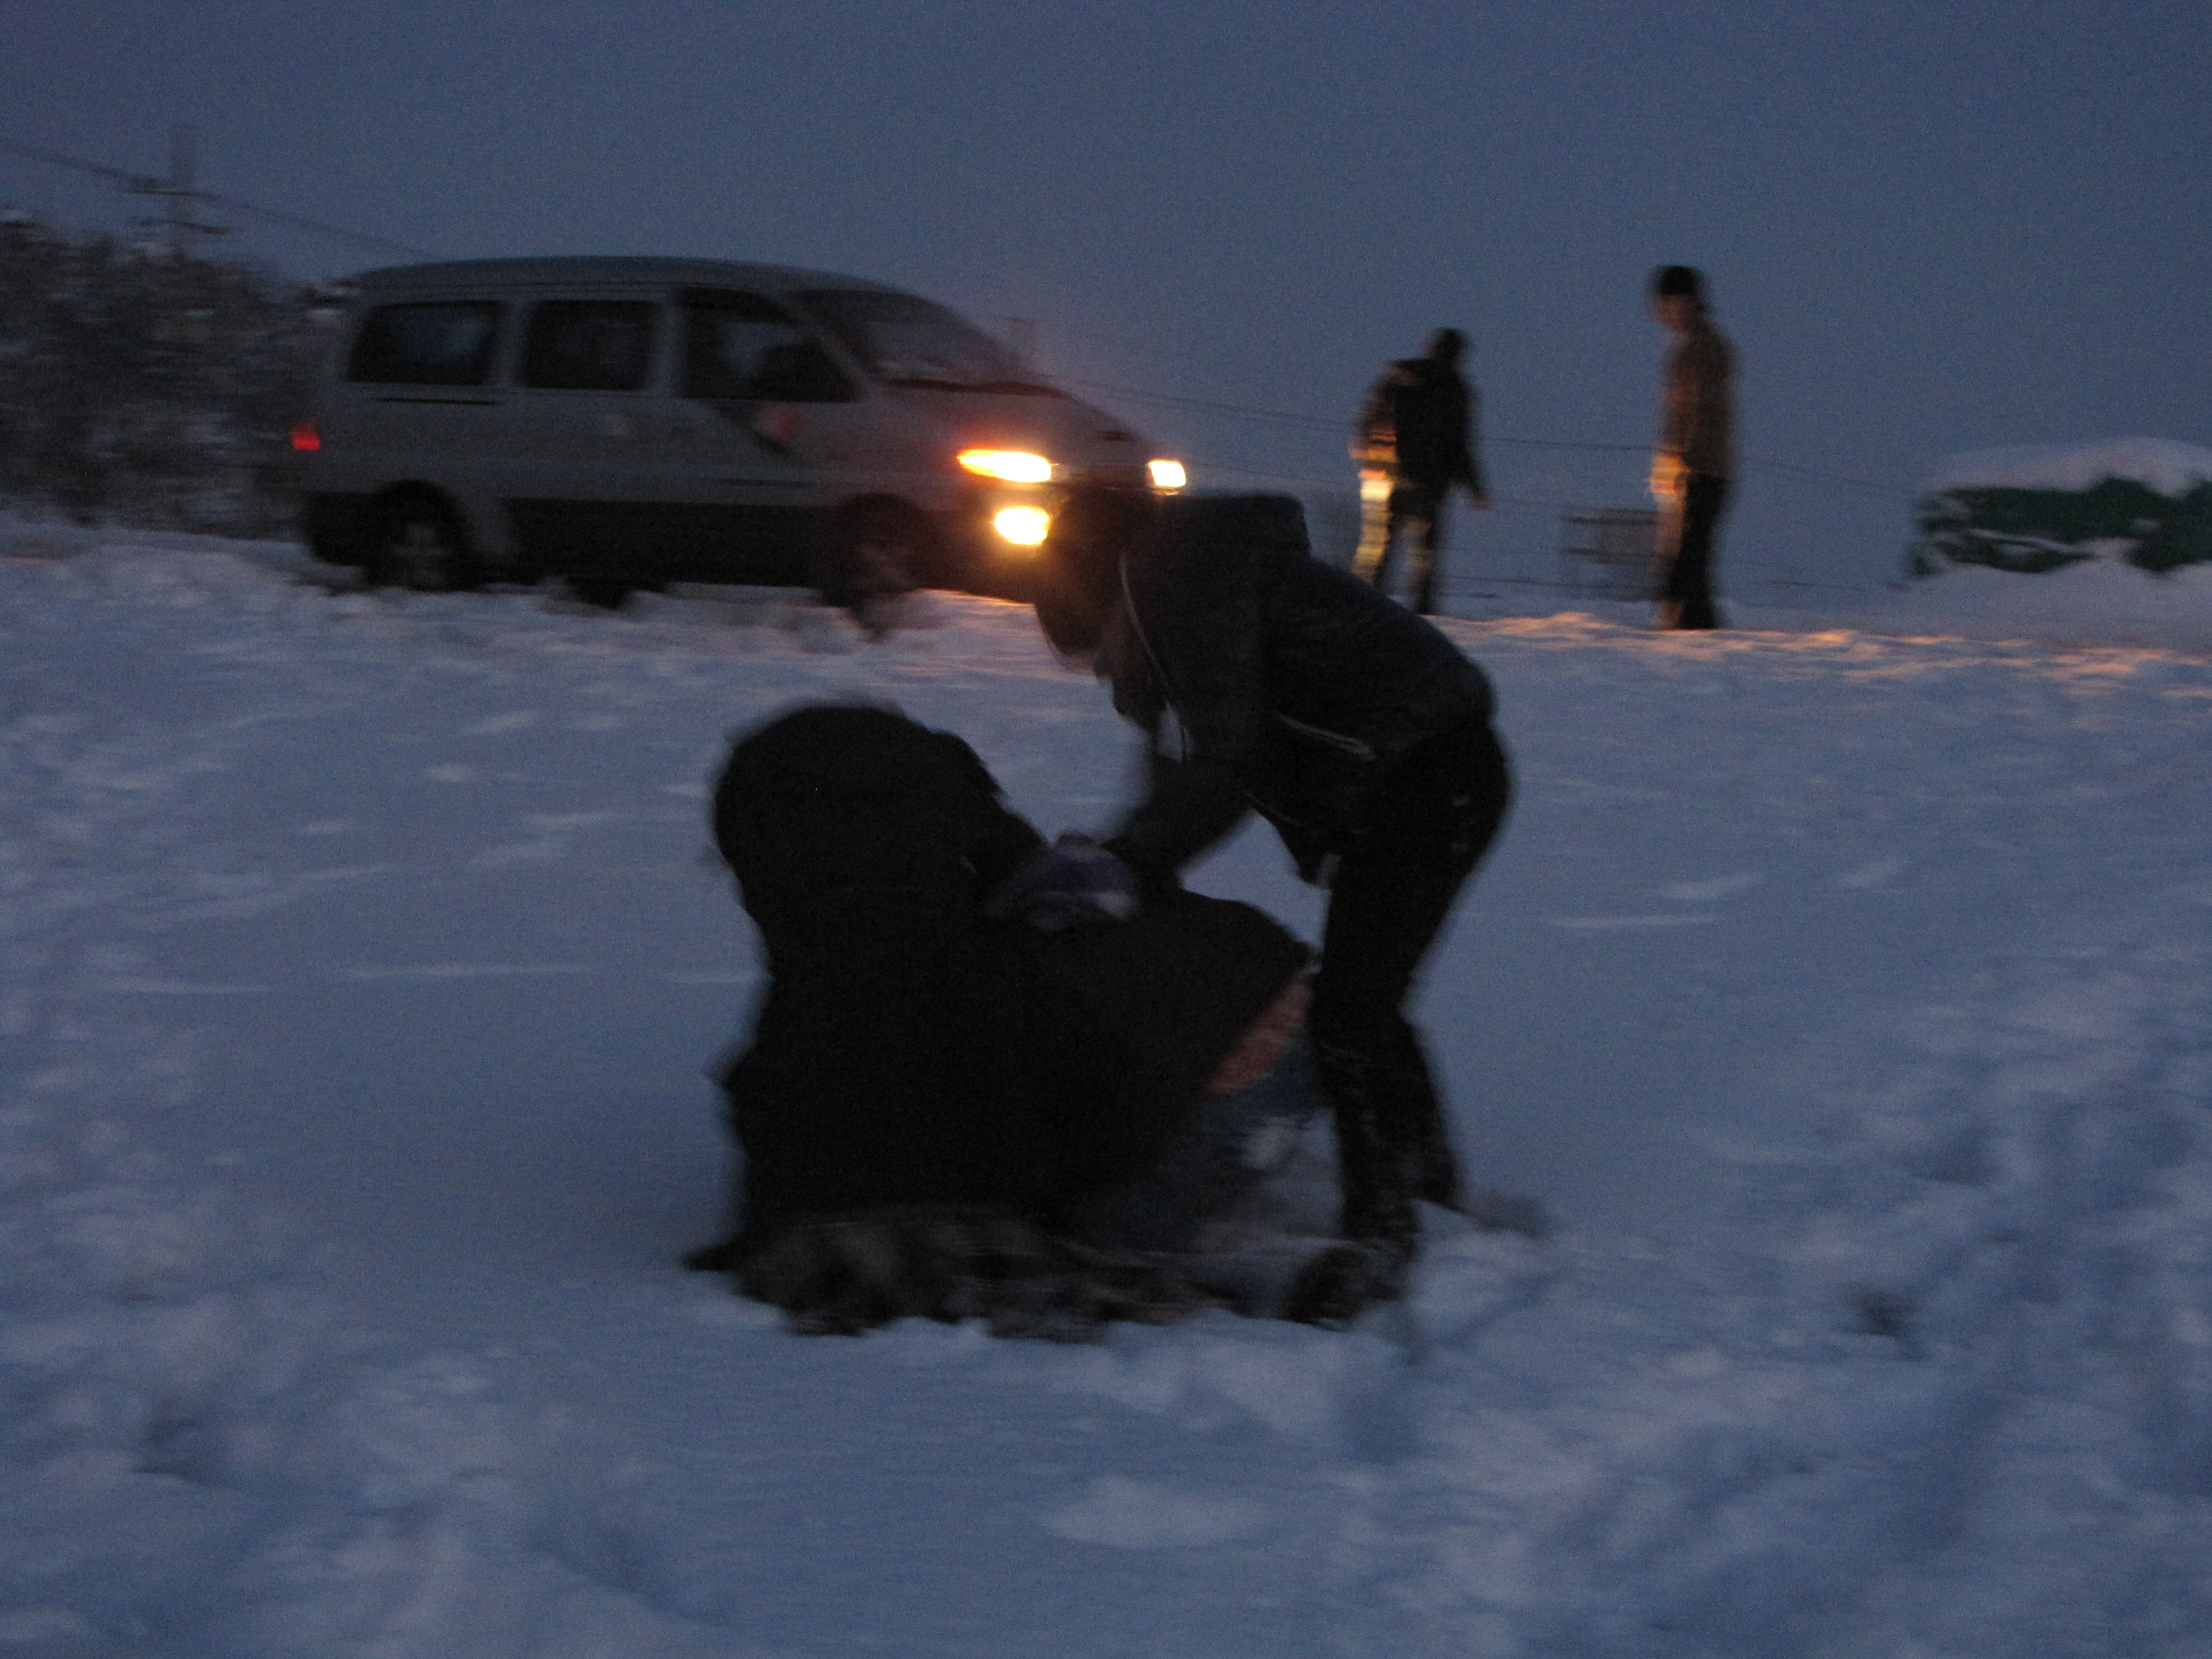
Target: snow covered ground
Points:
(1842, 993)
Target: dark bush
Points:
(138, 387)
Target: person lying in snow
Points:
(959, 1100)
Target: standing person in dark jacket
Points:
(1697, 448)
(1416, 438)
(1268, 681)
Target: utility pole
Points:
(182, 196)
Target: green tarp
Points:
(2032, 530)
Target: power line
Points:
(1207, 404)
(53, 158)
(180, 188)
(1814, 475)
(180, 217)
(1506, 504)
(1315, 423)
(298, 223)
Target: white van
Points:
(629, 423)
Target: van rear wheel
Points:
(420, 546)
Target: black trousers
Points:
(1685, 591)
(1414, 521)
(1394, 889)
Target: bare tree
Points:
(142, 387)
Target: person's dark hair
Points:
(1079, 574)
(1447, 344)
(1678, 282)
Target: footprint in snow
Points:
(493, 726)
(1867, 876)
(1680, 892)
(1614, 924)
(180, 988)
(1140, 1515)
(1715, 887)
(434, 970)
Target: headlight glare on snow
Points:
(1007, 465)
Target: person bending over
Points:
(1265, 680)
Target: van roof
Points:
(598, 271)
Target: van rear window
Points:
(590, 345)
(440, 343)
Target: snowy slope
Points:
(2099, 601)
(2096, 602)
(1844, 995)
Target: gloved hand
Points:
(1071, 884)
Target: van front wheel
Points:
(874, 552)
(420, 544)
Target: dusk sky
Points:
(1929, 227)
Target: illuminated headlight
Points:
(1024, 526)
(1007, 465)
(1167, 475)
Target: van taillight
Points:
(304, 437)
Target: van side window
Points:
(903, 339)
(735, 345)
(442, 344)
(589, 345)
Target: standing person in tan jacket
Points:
(1696, 449)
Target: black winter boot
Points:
(1436, 1166)
(1380, 1168)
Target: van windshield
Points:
(904, 340)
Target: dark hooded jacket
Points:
(1420, 420)
(862, 844)
(1268, 680)
(909, 1050)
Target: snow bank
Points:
(2089, 603)
(2092, 603)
